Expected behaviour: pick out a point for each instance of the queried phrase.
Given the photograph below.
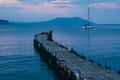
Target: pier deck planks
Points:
(73, 62)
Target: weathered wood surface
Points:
(85, 68)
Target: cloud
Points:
(45, 1)
(33, 2)
(8, 3)
(61, 1)
(35, 6)
(37, 3)
(109, 5)
(46, 8)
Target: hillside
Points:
(64, 21)
(4, 22)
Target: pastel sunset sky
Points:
(102, 11)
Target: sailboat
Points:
(88, 26)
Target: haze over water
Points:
(20, 61)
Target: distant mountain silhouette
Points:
(57, 22)
(64, 21)
(4, 22)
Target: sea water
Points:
(20, 61)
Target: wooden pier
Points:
(69, 64)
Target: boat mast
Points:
(88, 33)
(88, 15)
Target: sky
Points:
(101, 11)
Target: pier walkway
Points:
(68, 64)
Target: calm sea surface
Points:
(20, 61)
